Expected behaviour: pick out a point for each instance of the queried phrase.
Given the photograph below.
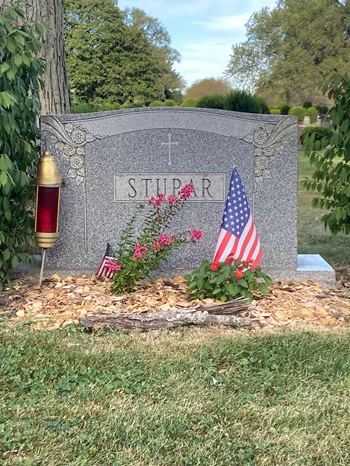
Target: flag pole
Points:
(42, 267)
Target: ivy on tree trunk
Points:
(55, 95)
(20, 71)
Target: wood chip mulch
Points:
(63, 300)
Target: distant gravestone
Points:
(111, 161)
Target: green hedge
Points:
(299, 112)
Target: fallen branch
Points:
(144, 321)
(229, 308)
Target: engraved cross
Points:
(170, 143)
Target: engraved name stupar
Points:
(208, 187)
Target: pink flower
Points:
(140, 251)
(195, 235)
(186, 191)
(172, 199)
(151, 200)
(162, 241)
(159, 200)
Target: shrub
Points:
(312, 113)
(316, 133)
(275, 111)
(226, 281)
(192, 102)
(298, 112)
(322, 109)
(156, 103)
(139, 254)
(212, 101)
(307, 104)
(20, 72)
(127, 105)
(285, 110)
(264, 108)
(170, 103)
(81, 107)
(242, 101)
(108, 106)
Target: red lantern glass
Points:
(47, 209)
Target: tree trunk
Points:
(55, 97)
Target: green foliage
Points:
(307, 104)
(84, 107)
(226, 281)
(322, 109)
(331, 178)
(313, 237)
(299, 112)
(104, 107)
(192, 102)
(170, 103)
(91, 107)
(138, 255)
(274, 111)
(316, 133)
(156, 103)
(20, 72)
(117, 56)
(242, 101)
(131, 105)
(285, 109)
(291, 48)
(212, 101)
(312, 113)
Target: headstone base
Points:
(310, 267)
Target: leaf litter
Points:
(63, 300)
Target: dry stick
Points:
(141, 322)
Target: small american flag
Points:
(238, 239)
(104, 269)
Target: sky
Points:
(203, 31)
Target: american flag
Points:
(103, 269)
(238, 239)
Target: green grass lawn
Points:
(313, 238)
(185, 397)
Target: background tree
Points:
(207, 86)
(116, 56)
(158, 36)
(292, 49)
(55, 95)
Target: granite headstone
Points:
(112, 160)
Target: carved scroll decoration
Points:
(68, 140)
(269, 141)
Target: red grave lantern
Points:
(49, 184)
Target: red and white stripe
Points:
(247, 248)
